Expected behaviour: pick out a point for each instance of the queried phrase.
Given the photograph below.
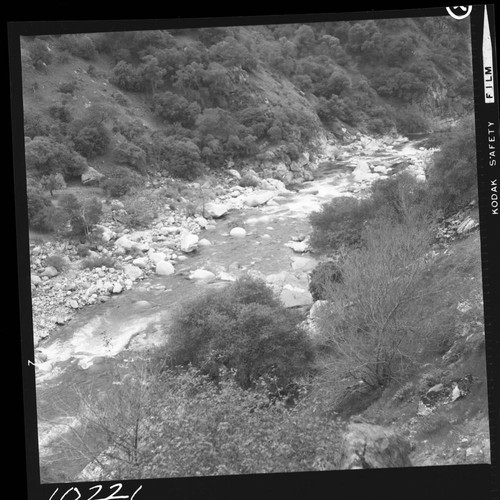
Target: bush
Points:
(399, 196)
(243, 327)
(322, 277)
(57, 261)
(45, 156)
(94, 262)
(141, 211)
(411, 120)
(120, 181)
(40, 209)
(82, 217)
(68, 87)
(181, 424)
(127, 153)
(339, 223)
(452, 176)
(92, 141)
(78, 45)
(374, 321)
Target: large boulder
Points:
(164, 268)
(202, 275)
(216, 210)
(189, 242)
(368, 446)
(258, 198)
(132, 272)
(238, 232)
(91, 176)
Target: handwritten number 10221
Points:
(113, 496)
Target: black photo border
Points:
(432, 482)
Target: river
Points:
(83, 354)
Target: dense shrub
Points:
(40, 208)
(243, 327)
(141, 211)
(452, 176)
(171, 107)
(57, 261)
(60, 112)
(45, 156)
(127, 153)
(181, 424)
(322, 277)
(35, 124)
(92, 141)
(179, 157)
(120, 181)
(68, 87)
(78, 45)
(411, 120)
(339, 223)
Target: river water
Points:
(84, 354)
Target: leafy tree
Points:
(175, 108)
(245, 328)
(82, 216)
(129, 154)
(45, 156)
(41, 211)
(151, 73)
(78, 45)
(92, 141)
(52, 182)
(180, 157)
(230, 52)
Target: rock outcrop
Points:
(368, 446)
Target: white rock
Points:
(238, 232)
(140, 262)
(234, 173)
(202, 275)
(35, 279)
(156, 257)
(258, 198)
(204, 243)
(216, 210)
(189, 242)
(50, 272)
(166, 230)
(164, 268)
(73, 304)
(124, 243)
(292, 296)
(223, 276)
(298, 246)
(117, 288)
(132, 272)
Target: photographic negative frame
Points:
(451, 481)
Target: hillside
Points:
(186, 102)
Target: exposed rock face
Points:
(367, 446)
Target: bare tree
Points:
(375, 321)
